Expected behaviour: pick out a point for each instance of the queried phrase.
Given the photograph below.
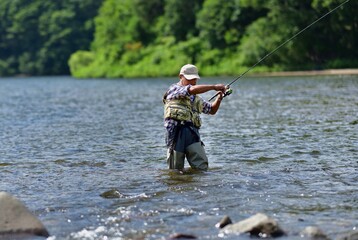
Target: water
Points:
(286, 147)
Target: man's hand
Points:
(220, 88)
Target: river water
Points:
(88, 157)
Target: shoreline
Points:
(326, 72)
(352, 71)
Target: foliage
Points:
(37, 37)
(222, 23)
(131, 38)
(325, 41)
(180, 19)
(224, 37)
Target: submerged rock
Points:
(258, 225)
(350, 236)
(114, 193)
(15, 218)
(182, 236)
(314, 233)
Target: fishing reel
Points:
(227, 92)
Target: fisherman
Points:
(182, 109)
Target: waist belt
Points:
(189, 125)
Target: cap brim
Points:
(191, 77)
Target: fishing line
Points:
(277, 48)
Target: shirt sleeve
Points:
(206, 106)
(176, 91)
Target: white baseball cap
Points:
(190, 72)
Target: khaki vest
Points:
(183, 110)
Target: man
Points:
(182, 109)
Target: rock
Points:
(15, 218)
(350, 236)
(258, 225)
(114, 193)
(313, 233)
(182, 236)
(223, 222)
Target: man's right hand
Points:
(220, 87)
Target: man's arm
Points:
(198, 89)
(216, 104)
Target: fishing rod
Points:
(229, 90)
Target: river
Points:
(286, 147)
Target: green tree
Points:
(151, 38)
(222, 23)
(215, 21)
(37, 37)
(19, 36)
(312, 49)
(180, 19)
(148, 13)
(339, 34)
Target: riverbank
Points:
(308, 73)
(326, 72)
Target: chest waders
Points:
(187, 144)
(186, 138)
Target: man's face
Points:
(187, 82)
(193, 81)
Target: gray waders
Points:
(187, 144)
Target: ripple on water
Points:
(283, 146)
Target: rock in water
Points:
(314, 233)
(350, 236)
(224, 222)
(15, 218)
(258, 225)
(114, 193)
(182, 236)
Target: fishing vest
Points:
(183, 109)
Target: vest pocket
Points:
(178, 113)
